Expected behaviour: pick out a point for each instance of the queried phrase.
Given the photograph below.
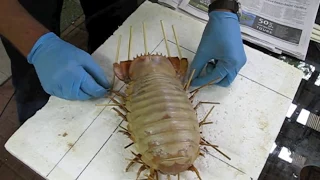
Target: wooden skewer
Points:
(130, 40)
(108, 104)
(177, 42)
(189, 81)
(207, 102)
(118, 49)
(203, 102)
(144, 38)
(211, 82)
(207, 115)
(216, 148)
(117, 60)
(165, 38)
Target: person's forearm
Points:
(18, 26)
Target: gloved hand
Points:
(66, 71)
(221, 41)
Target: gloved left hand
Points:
(221, 41)
(66, 71)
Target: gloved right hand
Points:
(221, 41)
(66, 71)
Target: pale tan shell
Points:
(162, 120)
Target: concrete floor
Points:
(71, 11)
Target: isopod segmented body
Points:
(162, 121)
(161, 118)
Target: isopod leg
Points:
(122, 96)
(204, 102)
(203, 141)
(128, 145)
(128, 134)
(142, 168)
(153, 174)
(121, 106)
(120, 114)
(206, 143)
(156, 174)
(195, 170)
(203, 122)
(125, 133)
(168, 177)
(136, 159)
(192, 96)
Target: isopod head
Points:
(150, 63)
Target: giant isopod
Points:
(162, 120)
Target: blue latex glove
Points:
(221, 41)
(66, 71)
